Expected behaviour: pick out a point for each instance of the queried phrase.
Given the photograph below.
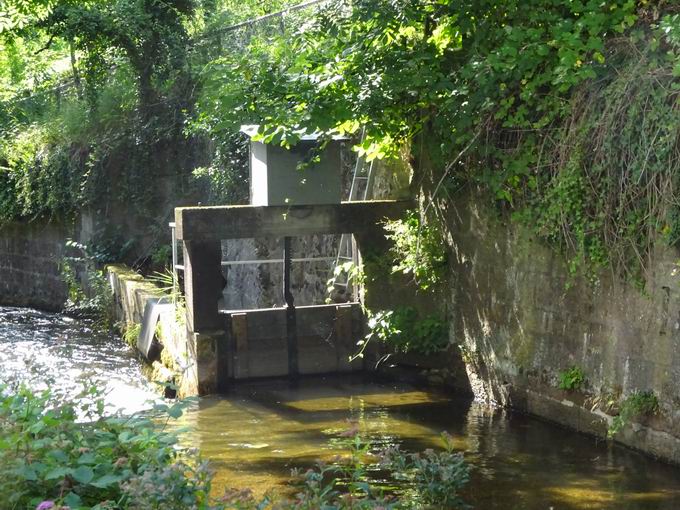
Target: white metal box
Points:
(277, 179)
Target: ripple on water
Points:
(37, 347)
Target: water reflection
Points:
(258, 432)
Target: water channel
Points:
(257, 433)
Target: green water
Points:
(259, 432)
(255, 435)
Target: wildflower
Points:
(45, 505)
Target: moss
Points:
(131, 334)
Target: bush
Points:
(419, 249)
(638, 403)
(73, 454)
(571, 379)
(435, 479)
(405, 331)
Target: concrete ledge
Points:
(246, 221)
(638, 435)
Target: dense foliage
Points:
(550, 105)
(72, 453)
(566, 111)
(95, 99)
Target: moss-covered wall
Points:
(187, 359)
(520, 320)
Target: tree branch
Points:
(47, 46)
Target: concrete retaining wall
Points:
(30, 257)
(177, 361)
(520, 320)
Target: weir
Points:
(287, 200)
(286, 341)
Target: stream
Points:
(258, 432)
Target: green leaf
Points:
(59, 455)
(58, 472)
(175, 411)
(106, 481)
(27, 473)
(83, 474)
(87, 458)
(72, 500)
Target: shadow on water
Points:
(258, 432)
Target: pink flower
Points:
(45, 505)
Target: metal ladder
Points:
(362, 174)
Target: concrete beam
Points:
(246, 221)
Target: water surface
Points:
(36, 347)
(260, 431)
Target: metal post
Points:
(291, 326)
(175, 280)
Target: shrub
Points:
(435, 479)
(73, 454)
(571, 379)
(638, 403)
(405, 331)
(89, 292)
(419, 249)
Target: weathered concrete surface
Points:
(203, 284)
(327, 334)
(189, 357)
(246, 221)
(201, 229)
(519, 324)
(131, 293)
(30, 257)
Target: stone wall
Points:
(250, 286)
(519, 320)
(30, 256)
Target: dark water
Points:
(256, 434)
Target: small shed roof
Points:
(251, 130)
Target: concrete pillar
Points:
(203, 283)
(239, 332)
